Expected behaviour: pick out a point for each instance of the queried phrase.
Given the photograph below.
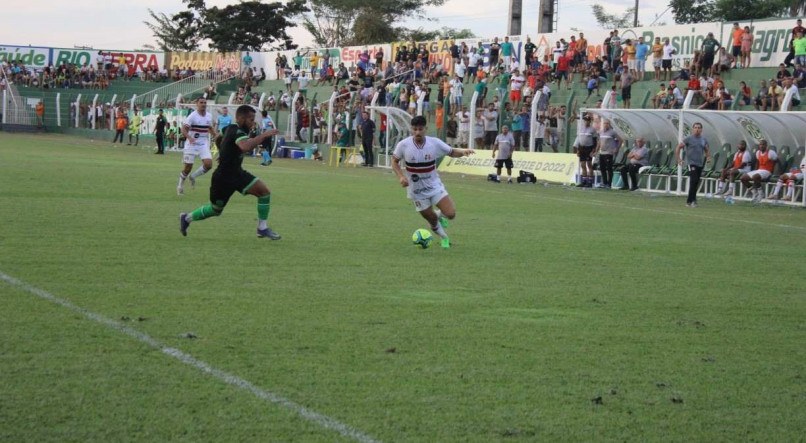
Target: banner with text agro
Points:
(550, 167)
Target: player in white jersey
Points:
(197, 129)
(421, 179)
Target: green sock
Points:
(263, 206)
(205, 211)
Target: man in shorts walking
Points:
(230, 176)
(421, 180)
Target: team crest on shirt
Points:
(428, 157)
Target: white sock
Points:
(790, 189)
(719, 187)
(778, 186)
(439, 230)
(188, 217)
(198, 172)
(438, 212)
(262, 224)
(182, 177)
(730, 188)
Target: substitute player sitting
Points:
(421, 179)
(230, 176)
(789, 179)
(197, 129)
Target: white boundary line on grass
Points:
(308, 414)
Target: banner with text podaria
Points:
(203, 61)
(550, 167)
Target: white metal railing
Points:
(15, 110)
(196, 82)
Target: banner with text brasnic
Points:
(550, 167)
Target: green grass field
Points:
(560, 314)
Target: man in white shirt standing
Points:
(463, 118)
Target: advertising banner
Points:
(770, 40)
(38, 57)
(41, 57)
(550, 167)
(203, 61)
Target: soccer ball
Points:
(422, 238)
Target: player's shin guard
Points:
(205, 211)
(263, 207)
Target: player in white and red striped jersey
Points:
(197, 129)
(424, 188)
(789, 179)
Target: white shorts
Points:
(631, 64)
(463, 138)
(765, 174)
(656, 63)
(190, 153)
(427, 202)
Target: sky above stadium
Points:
(118, 24)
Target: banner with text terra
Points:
(549, 167)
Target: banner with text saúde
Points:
(203, 61)
(32, 56)
(550, 167)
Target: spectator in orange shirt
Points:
(736, 49)
(439, 115)
(120, 125)
(40, 114)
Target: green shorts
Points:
(224, 184)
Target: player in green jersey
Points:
(230, 176)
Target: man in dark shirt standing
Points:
(495, 49)
(159, 132)
(367, 133)
(709, 47)
(230, 176)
